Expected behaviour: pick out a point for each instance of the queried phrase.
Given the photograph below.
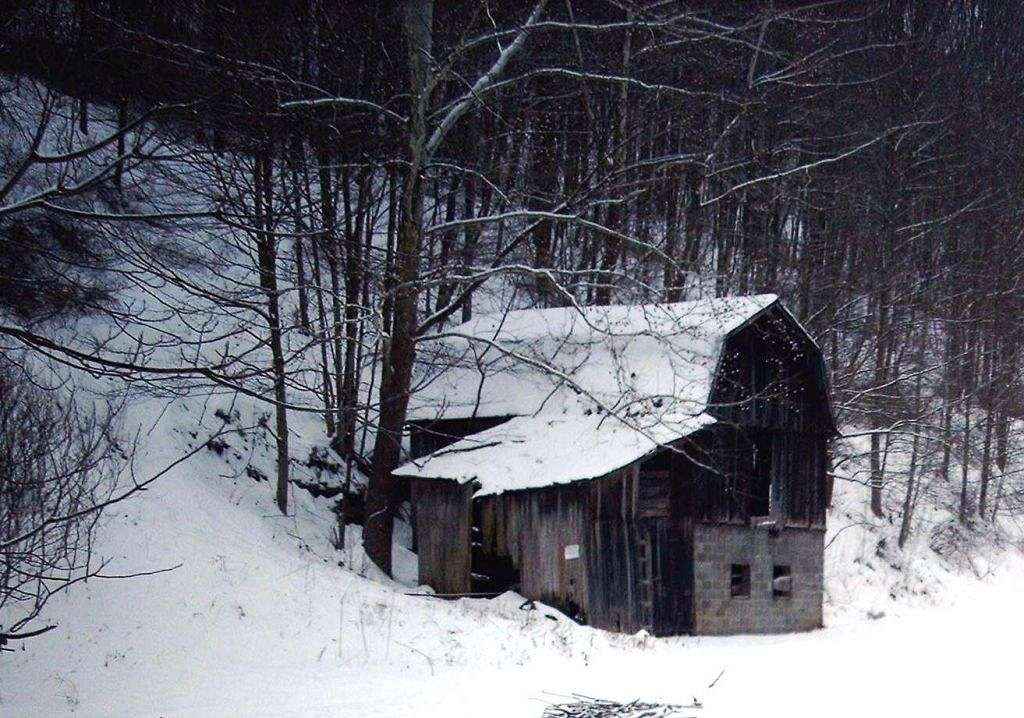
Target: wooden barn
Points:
(659, 467)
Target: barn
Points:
(660, 467)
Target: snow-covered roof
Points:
(653, 357)
(591, 390)
(531, 452)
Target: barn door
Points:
(663, 591)
(660, 553)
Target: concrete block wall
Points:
(716, 548)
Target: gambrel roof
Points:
(570, 360)
(590, 390)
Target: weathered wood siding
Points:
(634, 569)
(639, 557)
(611, 552)
(724, 481)
(771, 376)
(673, 613)
(770, 395)
(443, 533)
(533, 529)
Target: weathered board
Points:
(532, 530)
(443, 533)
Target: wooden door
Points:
(664, 577)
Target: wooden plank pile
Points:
(586, 707)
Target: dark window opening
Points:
(426, 437)
(782, 581)
(761, 481)
(489, 573)
(739, 580)
(658, 461)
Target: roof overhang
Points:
(539, 451)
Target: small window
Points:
(782, 581)
(739, 580)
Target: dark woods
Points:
(381, 170)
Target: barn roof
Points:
(530, 452)
(571, 360)
(591, 390)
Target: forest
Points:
(284, 199)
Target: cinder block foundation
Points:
(717, 548)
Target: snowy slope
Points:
(256, 595)
(260, 620)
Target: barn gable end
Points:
(768, 452)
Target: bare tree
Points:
(59, 463)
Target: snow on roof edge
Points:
(540, 451)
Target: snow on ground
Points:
(260, 620)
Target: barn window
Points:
(739, 580)
(782, 581)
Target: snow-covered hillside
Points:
(262, 617)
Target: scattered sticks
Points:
(588, 707)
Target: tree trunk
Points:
(472, 236)
(670, 196)
(967, 400)
(348, 399)
(988, 363)
(329, 221)
(952, 378)
(909, 497)
(394, 391)
(878, 418)
(965, 458)
(324, 333)
(986, 465)
(692, 226)
(267, 258)
(122, 122)
(446, 289)
(296, 160)
(617, 211)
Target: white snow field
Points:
(260, 620)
